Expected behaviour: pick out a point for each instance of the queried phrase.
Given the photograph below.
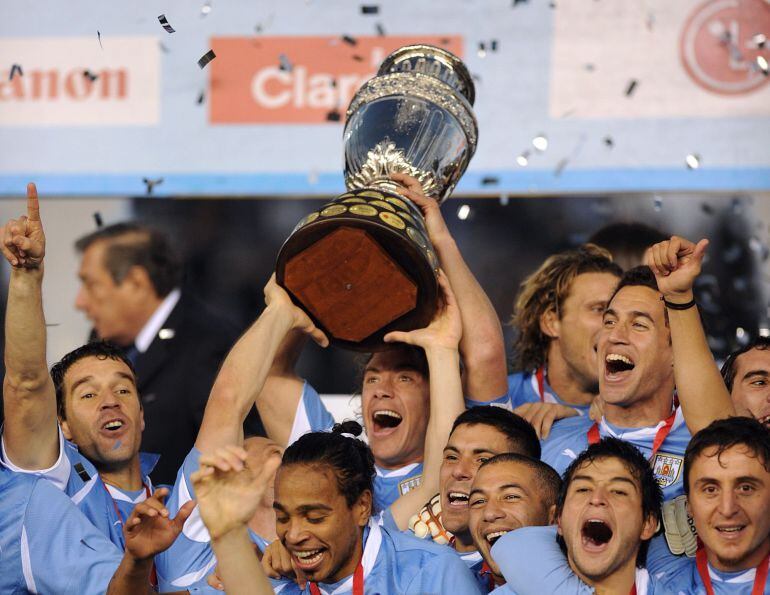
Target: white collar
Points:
(152, 326)
(745, 577)
(371, 551)
(640, 433)
(401, 471)
(118, 494)
(642, 581)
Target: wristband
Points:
(675, 306)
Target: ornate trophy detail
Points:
(363, 265)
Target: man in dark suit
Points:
(130, 291)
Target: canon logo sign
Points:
(251, 83)
(66, 81)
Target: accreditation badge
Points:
(666, 468)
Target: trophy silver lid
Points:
(432, 61)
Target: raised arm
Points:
(703, 396)
(482, 346)
(30, 433)
(246, 368)
(439, 340)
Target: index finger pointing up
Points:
(33, 207)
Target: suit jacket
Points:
(175, 376)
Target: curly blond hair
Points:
(546, 289)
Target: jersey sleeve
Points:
(62, 552)
(58, 473)
(532, 552)
(311, 415)
(444, 574)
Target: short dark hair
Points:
(548, 480)
(730, 367)
(519, 432)
(132, 244)
(636, 464)
(99, 349)
(724, 434)
(641, 276)
(350, 458)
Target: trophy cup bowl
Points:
(363, 265)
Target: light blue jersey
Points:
(46, 544)
(533, 564)
(107, 507)
(397, 563)
(190, 559)
(679, 574)
(523, 387)
(569, 437)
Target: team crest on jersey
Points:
(666, 468)
(409, 484)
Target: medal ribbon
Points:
(358, 582)
(540, 375)
(759, 579)
(660, 435)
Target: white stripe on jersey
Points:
(194, 528)
(26, 562)
(58, 473)
(85, 490)
(746, 577)
(401, 471)
(194, 577)
(301, 423)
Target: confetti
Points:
(370, 9)
(357, 57)
(90, 75)
(463, 212)
(333, 116)
(98, 219)
(99, 37)
(493, 45)
(762, 63)
(759, 41)
(482, 51)
(707, 208)
(201, 98)
(517, 2)
(206, 58)
(164, 22)
(151, 183)
(692, 161)
(490, 181)
(540, 142)
(284, 63)
(523, 159)
(631, 87)
(380, 29)
(163, 47)
(206, 8)
(560, 167)
(589, 67)
(15, 69)
(609, 142)
(349, 40)
(504, 200)
(657, 203)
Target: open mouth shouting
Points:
(308, 560)
(493, 536)
(113, 427)
(617, 365)
(457, 499)
(596, 534)
(385, 421)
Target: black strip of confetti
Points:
(560, 167)
(284, 63)
(490, 181)
(15, 69)
(164, 21)
(151, 183)
(609, 142)
(333, 116)
(98, 219)
(201, 97)
(206, 58)
(380, 29)
(350, 40)
(631, 87)
(99, 37)
(90, 75)
(493, 45)
(370, 9)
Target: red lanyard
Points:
(540, 376)
(358, 582)
(633, 590)
(660, 435)
(759, 580)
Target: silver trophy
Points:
(363, 265)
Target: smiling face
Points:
(751, 386)
(395, 403)
(580, 322)
(468, 447)
(504, 497)
(104, 417)
(729, 500)
(634, 347)
(315, 524)
(601, 521)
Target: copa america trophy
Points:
(362, 265)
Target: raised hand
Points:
(444, 331)
(150, 530)
(276, 297)
(434, 220)
(676, 264)
(228, 491)
(23, 240)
